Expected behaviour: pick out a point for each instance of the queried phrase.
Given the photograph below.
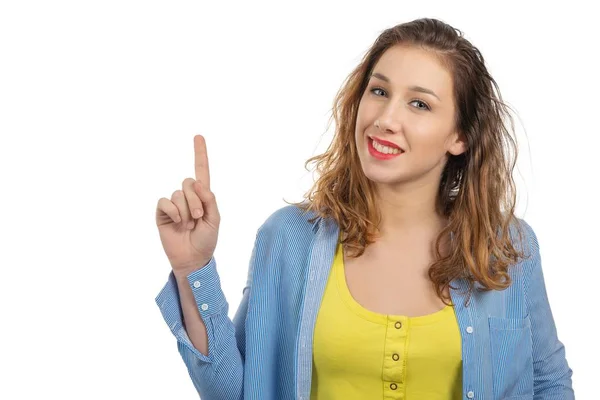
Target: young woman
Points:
(404, 273)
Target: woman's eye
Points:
(374, 90)
(421, 105)
(426, 107)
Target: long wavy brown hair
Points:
(477, 193)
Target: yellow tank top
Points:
(360, 354)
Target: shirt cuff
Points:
(210, 299)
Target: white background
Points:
(99, 103)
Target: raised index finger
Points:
(201, 160)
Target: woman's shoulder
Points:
(524, 239)
(290, 219)
(523, 236)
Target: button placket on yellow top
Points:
(394, 361)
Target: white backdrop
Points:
(99, 103)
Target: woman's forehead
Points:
(406, 66)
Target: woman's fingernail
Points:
(197, 213)
(190, 225)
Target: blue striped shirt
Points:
(510, 347)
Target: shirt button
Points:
(393, 386)
(395, 357)
(470, 394)
(197, 284)
(469, 329)
(398, 325)
(204, 307)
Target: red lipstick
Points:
(382, 156)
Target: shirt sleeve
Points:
(220, 374)
(552, 374)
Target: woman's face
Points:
(410, 95)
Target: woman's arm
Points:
(552, 375)
(217, 369)
(219, 373)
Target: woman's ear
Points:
(458, 144)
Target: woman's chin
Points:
(380, 177)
